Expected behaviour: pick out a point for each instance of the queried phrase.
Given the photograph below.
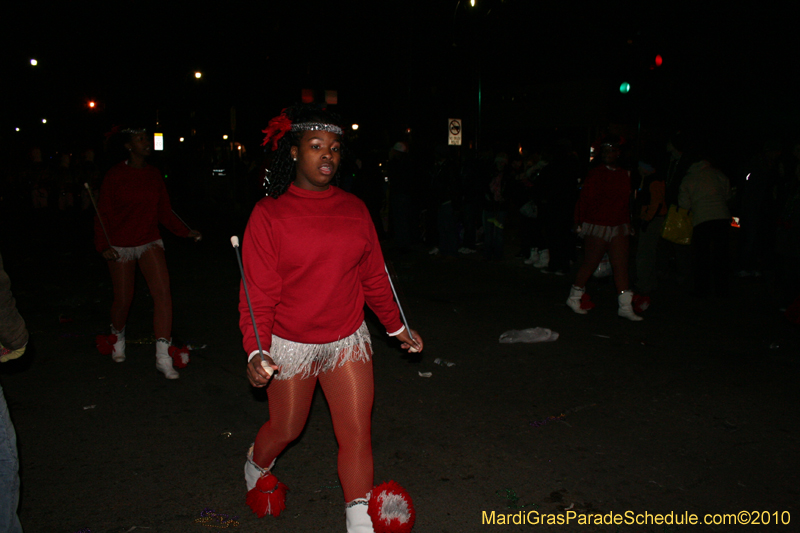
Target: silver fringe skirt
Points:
(307, 360)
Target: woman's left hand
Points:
(407, 343)
(196, 235)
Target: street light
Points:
(355, 127)
(44, 121)
(198, 74)
(34, 62)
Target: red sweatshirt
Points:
(132, 203)
(605, 197)
(311, 260)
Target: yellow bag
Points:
(678, 225)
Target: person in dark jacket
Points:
(13, 341)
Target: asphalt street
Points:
(694, 410)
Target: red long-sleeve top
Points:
(605, 197)
(311, 260)
(133, 201)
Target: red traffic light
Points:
(659, 60)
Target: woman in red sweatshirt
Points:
(133, 201)
(311, 260)
(603, 218)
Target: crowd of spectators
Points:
(522, 203)
(454, 202)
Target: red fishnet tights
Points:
(153, 264)
(350, 391)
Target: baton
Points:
(182, 221)
(91, 197)
(235, 243)
(400, 307)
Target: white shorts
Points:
(131, 253)
(607, 233)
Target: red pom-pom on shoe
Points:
(390, 509)
(586, 302)
(180, 356)
(640, 303)
(105, 344)
(268, 496)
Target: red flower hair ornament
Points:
(113, 131)
(276, 129)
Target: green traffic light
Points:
(625, 87)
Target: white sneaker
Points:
(625, 299)
(252, 471)
(574, 300)
(118, 355)
(544, 259)
(163, 359)
(533, 258)
(358, 520)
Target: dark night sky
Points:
(396, 64)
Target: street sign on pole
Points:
(454, 131)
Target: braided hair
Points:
(116, 139)
(283, 169)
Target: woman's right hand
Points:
(257, 374)
(110, 254)
(412, 342)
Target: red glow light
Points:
(659, 60)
